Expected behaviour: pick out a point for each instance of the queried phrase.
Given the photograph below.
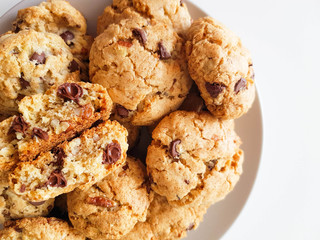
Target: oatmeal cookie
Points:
(111, 208)
(31, 62)
(142, 65)
(186, 148)
(222, 68)
(80, 162)
(39, 229)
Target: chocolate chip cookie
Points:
(32, 62)
(47, 119)
(39, 229)
(222, 68)
(80, 162)
(172, 12)
(111, 208)
(142, 65)
(186, 148)
(60, 18)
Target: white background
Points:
(284, 38)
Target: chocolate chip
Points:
(125, 43)
(240, 85)
(112, 153)
(191, 226)
(211, 164)
(73, 66)
(125, 167)
(173, 148)
(56, 179)
(67, 36)
(40, 134)
(20, 97)
(17, 229)
(250, 64)
(38, 58)
(181, 2)
(187, 182)
(122, 111)
(164, 54)
(70, 91)
(141, 35)
(16, 25)
(37, 203)
(24, 84)
(22, 188)
(214, 89)
(18, 125)
(100, 201)
(60, 155)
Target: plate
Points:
(222, 215)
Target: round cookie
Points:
(172, 12)
(222, 68)
(171, 222)
(31, 62)
(13, 206)
(185, 149)
(39, 229)
(57, 17)
(111, 208)
(142, 65)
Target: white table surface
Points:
(284, 38)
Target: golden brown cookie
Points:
(222, 68)
(111, 208)
(142, 65)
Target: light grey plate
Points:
(220, 216)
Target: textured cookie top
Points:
(172, 12)
(222, 68)
(111, 207)
(141, 231)
(173, 222)
(184, 150)
(50, 16)
(39, 229)
(31, 62)
(142, 64)
(59, 17)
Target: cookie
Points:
(32, 62)
(222, 68)
(13, 206)
(60, 18)
(142, 65)
(80, 162)
(185, 148)
(111, 208)
(173, 12)
(45, 120)
(39, 229)
(170, 222)
(141, 231)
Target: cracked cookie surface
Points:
(31, 63)
(186, 148)
(142, 64)
(60, 18)
(172, 12)
(80, 162)
(222, 68)
(39, 229)
(111, 208)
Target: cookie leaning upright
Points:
(142, 65)
(222, 68)
(58, 17)
(171, 12)
(193, 159)
(31, 62)
(39, 229)
(112, 207)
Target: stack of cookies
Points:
(77, 112)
